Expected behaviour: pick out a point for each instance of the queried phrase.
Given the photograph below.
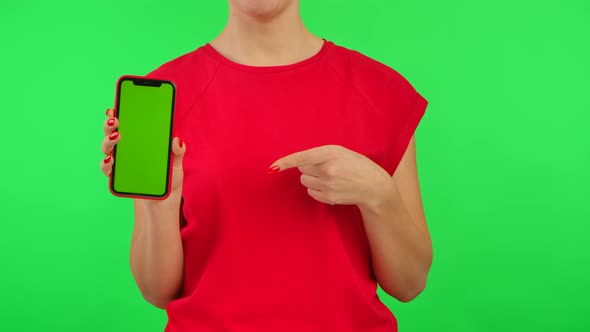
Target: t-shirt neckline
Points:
(210, 50)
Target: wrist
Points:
(161, 208)
(381, 198)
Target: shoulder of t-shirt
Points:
(389, 95)
(191, 73)
(386, 91)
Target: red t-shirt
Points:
(260, 254)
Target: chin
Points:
(261, 8)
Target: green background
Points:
(503, 154)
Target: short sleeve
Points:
(191, 74)
(404, 109)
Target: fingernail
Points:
(111, 121)
(107, 112)
(180, 142)
(272, 170)
(107, 159)
(114, 136)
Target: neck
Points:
(259, 40)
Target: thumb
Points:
(178, 148)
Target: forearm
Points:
(401, 252)
(156, 254)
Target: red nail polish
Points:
(107, 112)
(111, 121)
(180, 142)
(272, 170)
(114, 136)
(107, 159)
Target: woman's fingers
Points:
(111, 123)
(109, 142)
(112, 137)
(106, 165)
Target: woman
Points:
(295, 190)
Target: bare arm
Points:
(397, 231)
(156, 255)
(391, 208)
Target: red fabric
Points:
(260, 254)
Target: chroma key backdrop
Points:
(503, 154)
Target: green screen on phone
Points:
(145, 109)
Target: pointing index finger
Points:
(313, 156)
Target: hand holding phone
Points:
(106, 165)
(142, 160)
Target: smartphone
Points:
(142, 165)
